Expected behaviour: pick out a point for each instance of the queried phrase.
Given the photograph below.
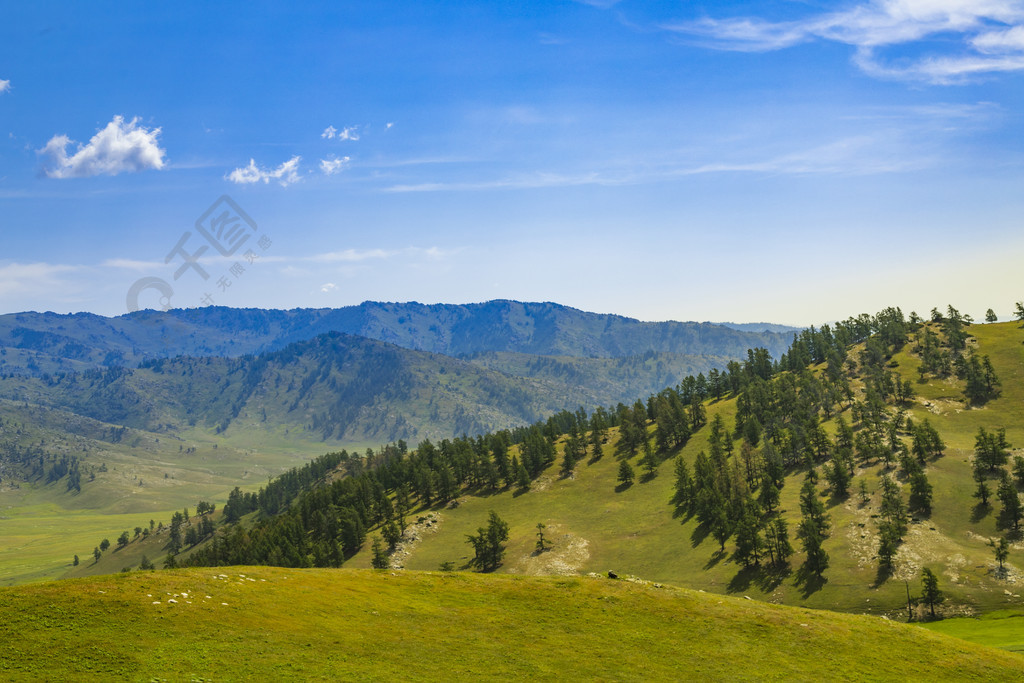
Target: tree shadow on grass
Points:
(741, 581)
(883, 574)
(622, 487)
(771, 576)
(765, 577)
(980, 512)
(520, 491)
(808, 582)
(700, 532)
(715, 558)
(648, 476)
(682, 511)
(834, 500)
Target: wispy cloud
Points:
(332, 165)
(347, 133)
(526, 181)
(133, 264)
(350, 255)
(4, 85)
(864, 154)
(20, 278)
(118, 148)
(977, 36)
(860, 155)
(286, 174)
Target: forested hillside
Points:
(872, 450)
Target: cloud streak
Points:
(854, 155)
(120, 147)
(4, 85)
(978, 37)
(347, 133)
(285, 174)
(333, 165)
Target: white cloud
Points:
(286, 174)
(4, 85)
(328, 287)
(347, 133)
(981, 36)
(350, 255)
(34, 278)
(388, 125)
(332, 165)
(118, 148)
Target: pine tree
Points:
(522, 476)
(930, 594)
(778, 545)
(683, 495)
(749, 543)
(488, 544)
(1013, 510)
(379, 560)
(982, 492)
(1001, 550)
(626, 473)
(920, 493)
(542, 543)
(838, 476)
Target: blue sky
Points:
(786, 161)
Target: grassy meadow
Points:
(261, 623)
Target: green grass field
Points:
(1003, 629)
(258, 623)
(144, 476)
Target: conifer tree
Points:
(1012, 510)
(379, 560)
(930, 594)
(626, 473)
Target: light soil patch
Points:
(923, 544)
(542, 483)
(414, 533)
(567, 555)
(942, 406)
(861, 534)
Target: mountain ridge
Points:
(35, 343)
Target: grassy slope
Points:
(42, 526)
(596, 528)
(1003, 629)
(359, 625)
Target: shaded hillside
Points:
(334, 387)
(362, 625)
(606, 381)
(47, 342)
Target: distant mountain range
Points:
(373, 372)
(45, 342)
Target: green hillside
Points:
(260, 623)
(807, 409)
(126, 478)
(597, 525)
